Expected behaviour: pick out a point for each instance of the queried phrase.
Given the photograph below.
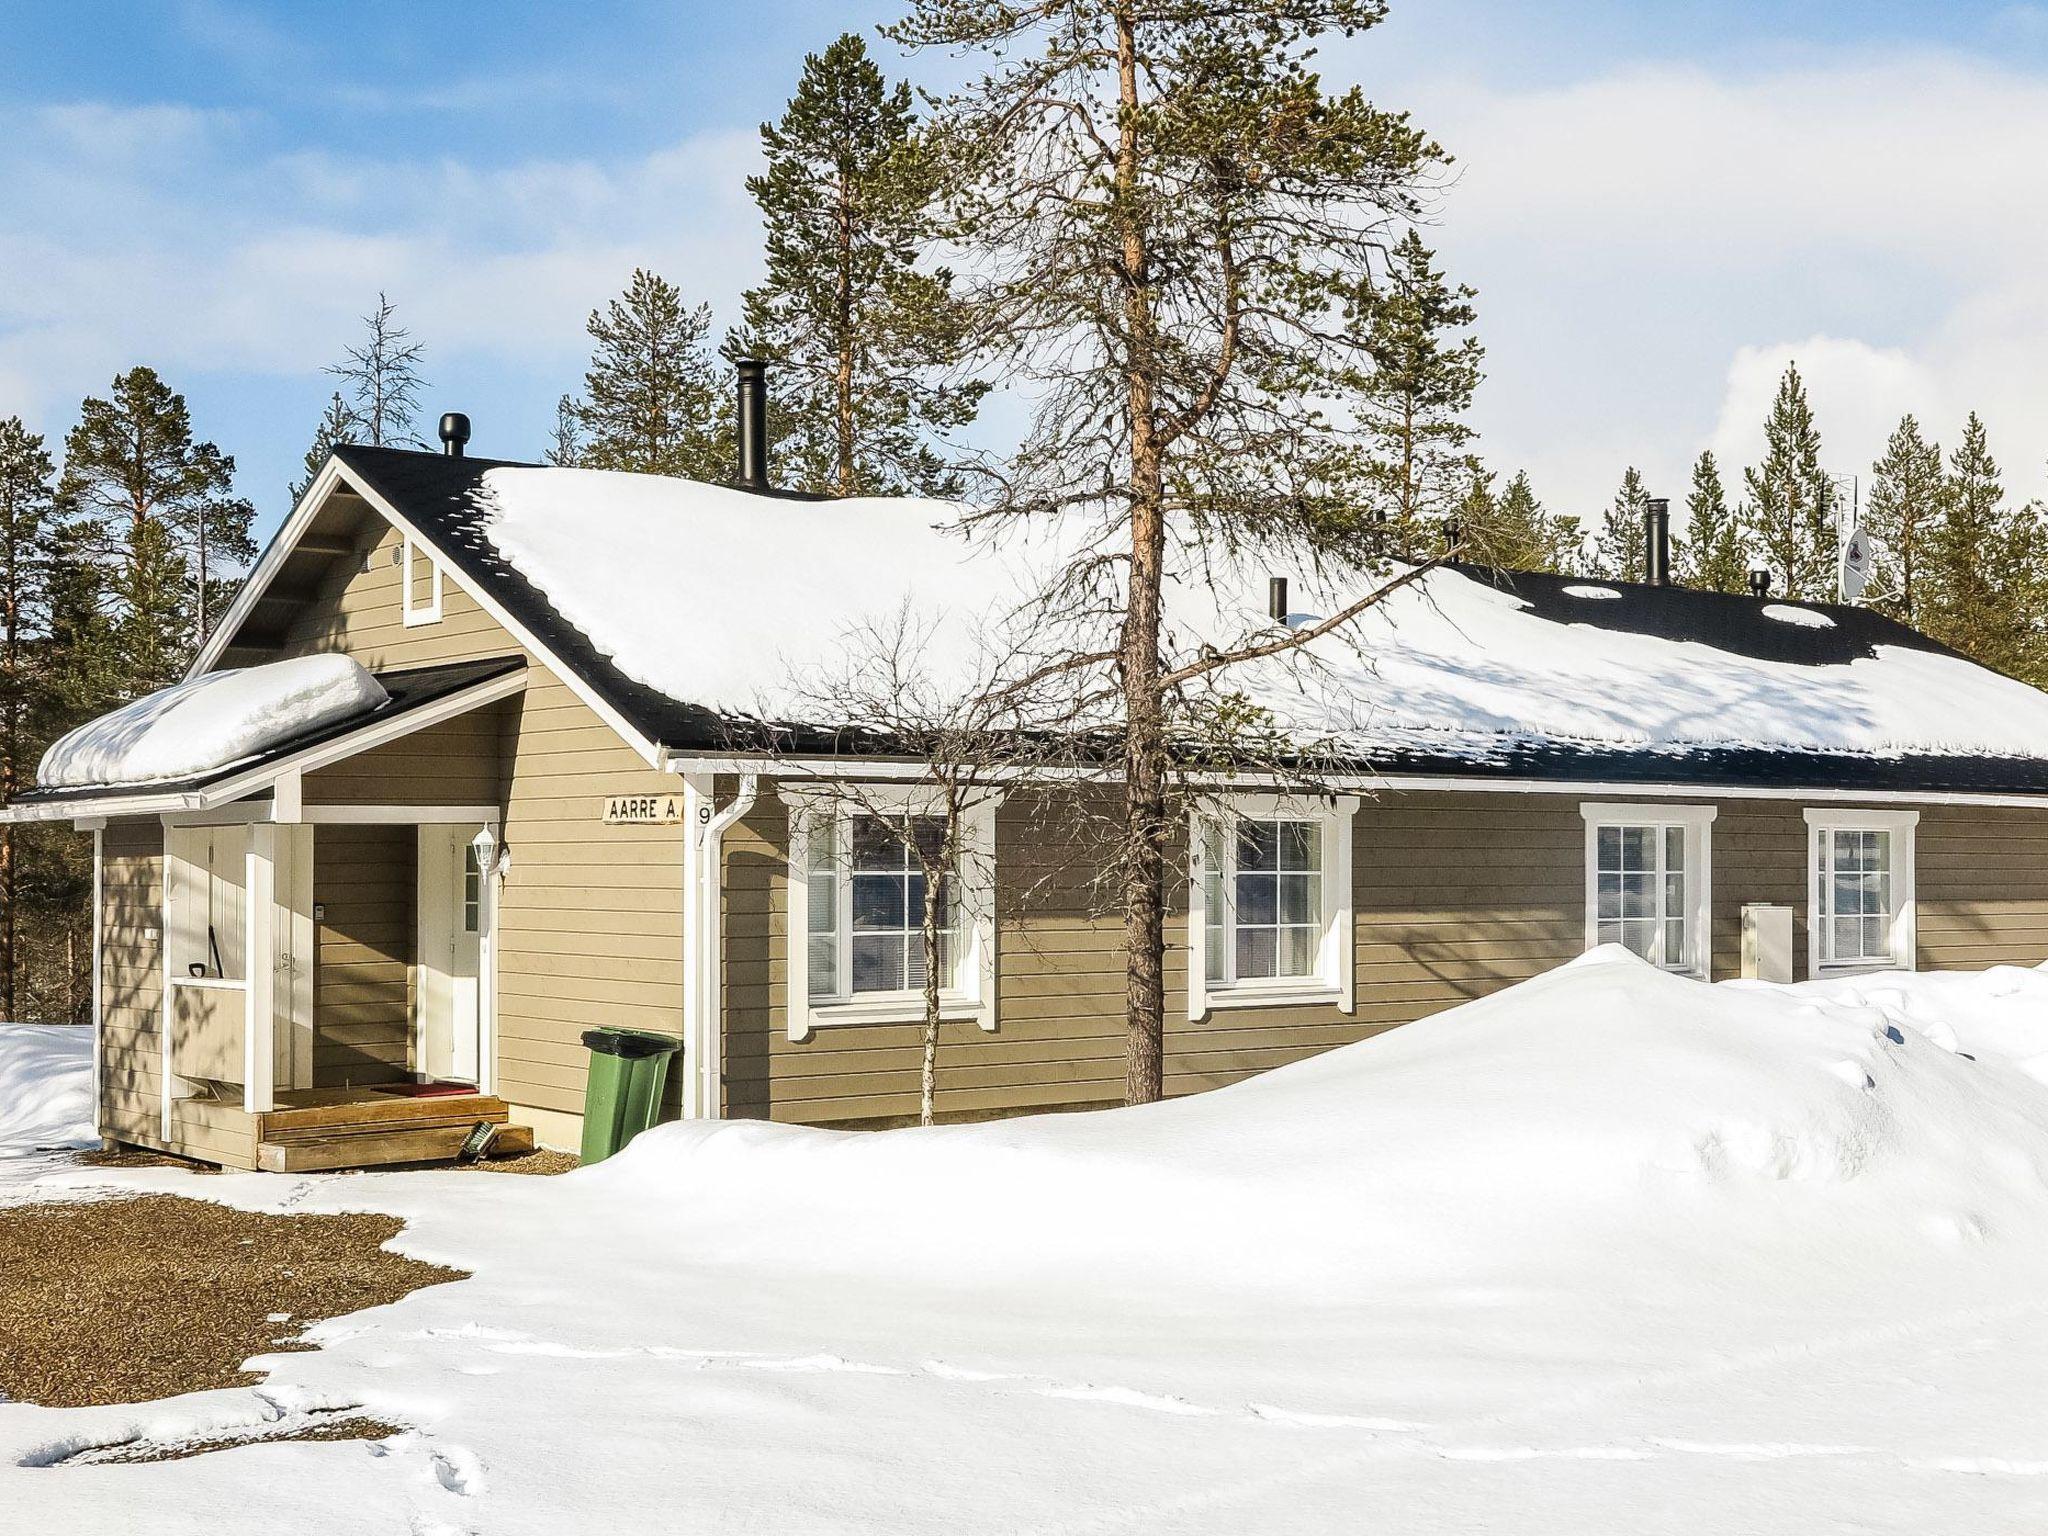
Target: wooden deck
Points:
(326, 1128)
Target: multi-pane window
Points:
(1647, 881)
(1263, 899)
(1639, 890)
(472, 890)
(865, 880)
(1855, 896)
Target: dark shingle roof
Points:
(437, 494)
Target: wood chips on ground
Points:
(124, 1300)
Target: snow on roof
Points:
(210, 722)
(714, 597)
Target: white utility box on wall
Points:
(1766, 941)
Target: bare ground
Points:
(125, 1300)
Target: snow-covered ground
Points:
(1609, 1252)
(45, 1100)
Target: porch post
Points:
(99, 944)
(259, 966)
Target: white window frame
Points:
(418, 612)
(1903, 827)
(973, 1000)
(1697, 822)
(1334, 982)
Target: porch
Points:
(327, 987)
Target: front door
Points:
(451, 919)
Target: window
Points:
(1270, 904)
(420, 574)
(857, 895)
(1861, 914)
(472, 890)
(1648, 882)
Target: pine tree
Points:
(863, 341)
(26, 503)
(1788, 516)
(1907, 491)
(1983, 580)
(1618, 548)
(652, 402)
(1520, 534)
(1711, 557)
(383, 380)
(565, 441)
(1177, 244)
(154, 514)
(1423, 377)
(337, 426)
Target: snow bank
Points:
(719, 598)
(1608, 1253)
(1605, 1103)
(210, 722)
(45, 1088)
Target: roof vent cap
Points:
(1759, 582)
(454, 434)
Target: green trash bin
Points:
(628, 1069)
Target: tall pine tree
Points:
(652, 401)
(565, 438)
(1983, 579)
(864, 342)
(337, 426)
(382, 379)
(1788, 516)
(27, 477)
(1711, 557)
(1618, 547)
(1518, 533)
(155, 514)
(1903, 518)
(1424, 372)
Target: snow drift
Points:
(1607, 1107)
(45, 1088)
(210, 722)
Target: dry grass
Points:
(121, 1301)
(539, 1161)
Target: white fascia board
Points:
(238, 786)
(332, 475)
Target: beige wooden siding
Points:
(590, 921)
(365, 888)
(1983, 887)
(458, 762)
(131, 979)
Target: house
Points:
(477, 791)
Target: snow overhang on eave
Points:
(250, 779)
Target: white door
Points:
(451, 919)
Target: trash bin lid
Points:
(630, 1043)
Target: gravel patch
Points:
(125, 1300)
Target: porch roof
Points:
(416, 698)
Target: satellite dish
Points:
(1859, 555)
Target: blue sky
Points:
(1659, 203)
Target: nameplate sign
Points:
(643, 810)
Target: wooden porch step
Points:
(378, 1115)
(358, 1149)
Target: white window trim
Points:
(1335, 981)
(974, 1002)
(417, 612)
(1903, 825)
(1698, 821)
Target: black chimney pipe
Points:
(753, 424)
(1657, 542)
(1276, 598)
(454, 434)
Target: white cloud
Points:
(1651, 245)
(166, 235)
